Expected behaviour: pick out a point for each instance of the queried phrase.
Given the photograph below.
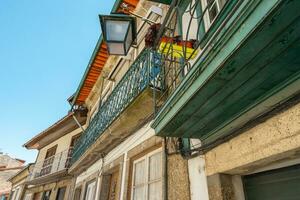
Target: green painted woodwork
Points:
(144, 72)
(254, 57)
(225, 12)
(272, 185)
(168, 2)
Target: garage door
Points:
(279, 184)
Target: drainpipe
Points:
(123, 176)
(77, 122)
(166, 169)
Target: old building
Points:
(18, 183)
(49, 178)
(8, 167)
(239, 95)
(118, 155)
(186, 100)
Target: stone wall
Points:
(5, 185)
(178, 178)
(276, 139)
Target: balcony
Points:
(51, 168)
(248, 65)
(128, 105)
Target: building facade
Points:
(205, 105)
(239, 96)
(48, 178)
(18, 183)
(118, 155)
(8, 167)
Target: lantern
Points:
(119, 32)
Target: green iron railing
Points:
(144, 72)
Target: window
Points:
(61, 193)
(74, 140)
(15, 194)
(46, 195)
(213, 9)
(90, 191)
(12, 195)
(49, 159)
(147, 177)
(28, 197)
(77, 194)
(113, 193)
(37, 196)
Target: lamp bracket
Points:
(154, 9)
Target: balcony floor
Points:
(125, 124)
(250, 72)
(49, 178)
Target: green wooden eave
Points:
(116, 6)
(168, 2)
(253, 65)
(99, 42)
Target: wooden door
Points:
(37, 196)
(114, 186)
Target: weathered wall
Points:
(8, 162)
(51, 186)
(178, 178)
(135, 139)
(220, 187)
(8, 170)
(5, 185)
(275, 139)
(197, 176)
(62, 143)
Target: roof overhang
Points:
(62, 127)
(97, 61)
(23, 170)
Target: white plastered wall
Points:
(62, 143)
(134, 140)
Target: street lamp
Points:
(119, 32)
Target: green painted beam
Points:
(255, 78)
(203, 69)
(234, 77)
(168, 2)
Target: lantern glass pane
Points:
(128, 40)
(116, 30)
(116, 48)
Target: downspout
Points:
(77, 122)
(123, 176)
(166, 170)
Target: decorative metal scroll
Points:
(144, 72)
(186, 36)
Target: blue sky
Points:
(45, 46)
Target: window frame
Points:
(46, 195)
(206, 18)
(80, 189)
(147, 182)
(48, 160)
(64, 189)
(93, 181)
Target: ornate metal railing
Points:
(144, 72)
(59, 162)
(186, 28)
